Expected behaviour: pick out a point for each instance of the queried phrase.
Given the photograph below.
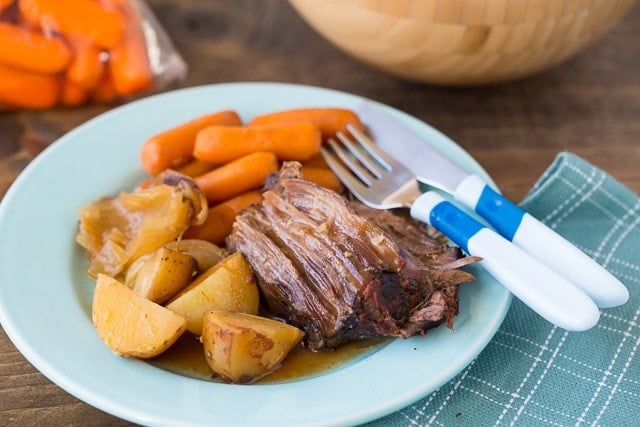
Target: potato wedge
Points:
(242, 348)
(206, 253)
(228, 285)
(161, 274)
(131, 325)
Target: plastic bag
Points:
(76, 52)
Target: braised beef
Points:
(341, 271)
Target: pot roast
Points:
(342, 271)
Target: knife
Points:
(434, 169)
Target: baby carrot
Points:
(220, 218)
(238, 176)
(192, 169)
(316, 160)
(174, 147)
(24, 89)
(195, 168)
(85, 18)
(87, 64)
(129, 60)
(219, 144)
(329, 120)
(323, 177)
(31, 50)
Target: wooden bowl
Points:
(462, 42)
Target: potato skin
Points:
(242, 348)
(131, 325)
(205, 253)
(161, 274)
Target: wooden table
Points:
(589, 106)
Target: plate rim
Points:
(80, 391)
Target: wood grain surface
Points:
(465, 41)
(589, 105)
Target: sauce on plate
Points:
(186, 357)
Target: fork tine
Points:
(372, 149)
(351, 182)
(362, 155)
(392, 186)
(345, 155)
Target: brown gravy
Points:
(186, 357)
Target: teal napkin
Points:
(534, 374)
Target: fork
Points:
(381, 182)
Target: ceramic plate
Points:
(45, 298)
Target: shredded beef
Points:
(342, 271)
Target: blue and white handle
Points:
(542, 242)
(548, 293)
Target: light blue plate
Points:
(45, 299)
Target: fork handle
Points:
(542, 242)
(548, 293)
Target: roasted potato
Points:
(131, 325)
(206, 253)
(242, 348)
(161, 274)
(228, 285)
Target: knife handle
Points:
(542, 242)
(548, 293)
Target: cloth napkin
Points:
(534, 374)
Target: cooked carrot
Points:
(73, 94)
(85, 18)
(323, 177)
(174, 147)
(316, 160)
(195, 168)
(329, 120)
(192, 169)
(31, 50)
(129, 60)
(220, 218)
(238, 176)
(220, 144)
(25, 89)
(87, 66)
